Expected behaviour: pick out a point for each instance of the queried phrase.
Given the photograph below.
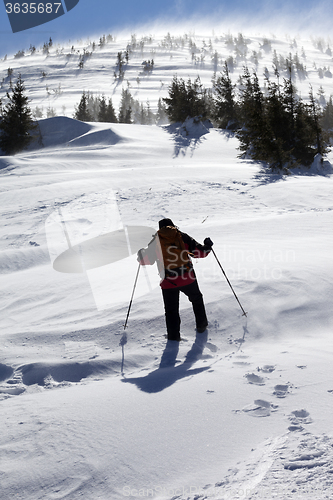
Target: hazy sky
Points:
(96, 17)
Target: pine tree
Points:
(279, 129)
(102, 110)
(276, 149)
(161, 116)
(175, 103)
(16, 122)
(304, 136)
(106, 111)
(321, 147)
(186, 100)
(225, 105)
(81, 111)
(125, 108)
(326, 119)
(110, 113)
(252, 135)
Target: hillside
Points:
(55, 82)
(243, 411)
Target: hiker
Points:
(171, 250)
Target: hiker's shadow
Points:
(167, 373)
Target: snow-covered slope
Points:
(55, 82)
(243, 413)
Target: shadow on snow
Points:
(188, 135)
(167, 373)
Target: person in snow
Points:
(171, 249)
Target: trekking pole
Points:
(130, 304)
(226, 277)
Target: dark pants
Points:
(171, 306)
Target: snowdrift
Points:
(241, 412)
(64, 131)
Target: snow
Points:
(243, 413)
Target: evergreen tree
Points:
(186, 100)
(125, 108)
(303, 131)
(119, 65)
(143, 117)
(81, 111)
(326, 119)
(110, 113)
(276, 149)
(317, 129)
(161, 116)
(102, 110)
(93, 104)
(225, 105)
(106, 111)
(279, 129)
(16, 122)
(253, 133)
(175, 103)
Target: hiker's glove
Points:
(208, 242)
(140, 255)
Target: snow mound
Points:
(194, 127)
(12, 261)
(294, 464)
(43, 373)
(98, 137)
(3, 164)
(319, 166)
(61, 130)
(5, 371)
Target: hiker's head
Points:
(165, 223)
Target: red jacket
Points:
(148, 256)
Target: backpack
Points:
(175, 255)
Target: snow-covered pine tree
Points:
(161, 116)
(326, 119)
(16, 121)
(252, 117)
(110, 115)
(186, 100)
(102, 110)
(276, 149)
(321, 140)
(225, 112)
(125, 108)
(81, 111)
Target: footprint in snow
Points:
(12, 384)
(297, 418)
(281, 390)
(266, 368)
(252, 378)
(260, 408)
(313, 453)
(212, 347)
(11, 391)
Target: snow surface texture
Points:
(241, 411)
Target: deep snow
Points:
(243, 413)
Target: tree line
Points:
(17, 126)
(273, 125)
(96, 109)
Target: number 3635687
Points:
(32, 8)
